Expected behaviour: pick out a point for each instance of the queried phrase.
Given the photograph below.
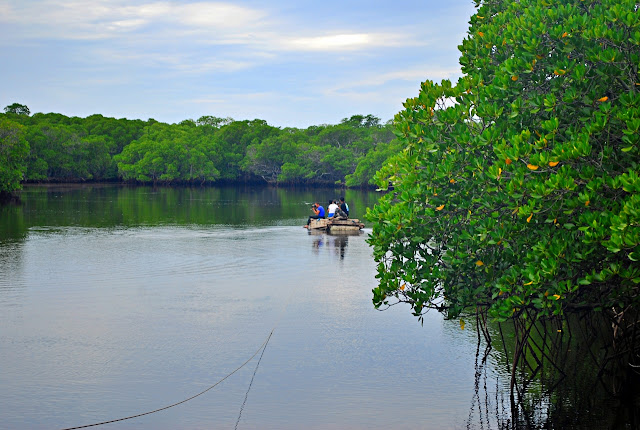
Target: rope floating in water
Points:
(262, 347)
(246, 396)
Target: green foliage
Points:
(518, 188)
(17, 109)
(13, 152)
(234, 138)
(266, 158)
(361, 121)
(99, 148)
(64, 152)
(213, 121)
(168, 153)
(371, 162)
(325, 154)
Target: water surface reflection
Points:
(336, 243)
(118, 301)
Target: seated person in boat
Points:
(318, 213)
(332, 208)
(339, 214)
(344, 206)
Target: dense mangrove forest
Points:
(517, 198)
(511, 203)
(51, 147)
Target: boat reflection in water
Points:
(332, 241)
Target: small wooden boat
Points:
(336, 225)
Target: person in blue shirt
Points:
(318, 213)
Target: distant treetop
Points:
(18, 109)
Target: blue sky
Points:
(291, 63)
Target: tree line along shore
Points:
(51, 147)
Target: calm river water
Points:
(115, 301)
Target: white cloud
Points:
(278, 60)
(207, 101)
(200, 67)
(125, 24)
(415, 74)
(103, 19)
(203, 23)
(218, 15)
(336, 42)
(367, 80)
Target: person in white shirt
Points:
(331, 210)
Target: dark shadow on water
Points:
(578, 390)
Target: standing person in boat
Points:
(344, 206)
(332, 208)
(318, 213)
